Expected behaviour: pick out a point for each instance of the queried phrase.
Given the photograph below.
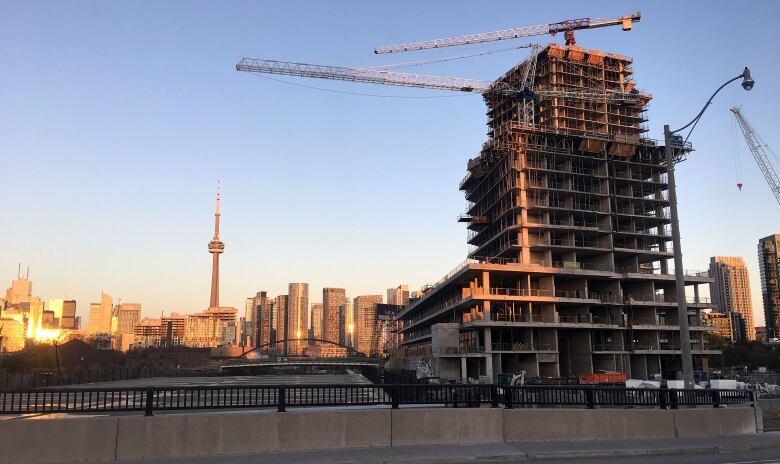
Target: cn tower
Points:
(216, 247)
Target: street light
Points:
(682, 306)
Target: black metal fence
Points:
(280, 397)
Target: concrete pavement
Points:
(745, 449)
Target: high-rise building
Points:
(127, 316)
(365, 307)
(34, 317)
(259, 310)
(298, 317)
(68, 318)
(722, 322)
(282, 326)
(20, 290)
(398, 295)
(332, 324)
(730, 293)
(166, 331)
(211, 328)
(100, 315)
(315, 325)
(769, 268)
(569, 226)
(249, 329)
(761, 334)
(216, 248)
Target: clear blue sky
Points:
(116, 118)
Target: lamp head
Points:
(747, 81)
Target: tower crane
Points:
(758, 148)
(523, 90)
(567, 27)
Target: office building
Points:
(20, 290)
(730, 293)
(100, 315)
(68, 318)
(366, 323)
(569, 226)
(127, 316)
(769, 268)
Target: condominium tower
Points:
(568, 223)
(769, 267)
(730, 292)
(333, 301)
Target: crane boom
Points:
(514, 33)
(756, 145)
(426, 81)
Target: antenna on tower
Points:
(27, 277)
(19, 272)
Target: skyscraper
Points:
(332, 300)
(298, 317)
(769, 268)
(68, 318)
(282, 332)
(100, 315)
(315, 325)
(20, 290)
(127, 316)
(398, 295)
(730, 292)
(216, 248)
(365, 308)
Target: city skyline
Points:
(169, 217)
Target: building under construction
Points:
(568, 219)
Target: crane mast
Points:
(757, 148)
(566, 26)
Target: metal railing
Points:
(280, 397)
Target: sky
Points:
(117, 119)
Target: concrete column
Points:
(463, 373)
(488, 338)
(696, 293)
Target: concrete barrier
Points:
(524, 425)
(53, 441)
(212, 434)
(714, 422)
(769, 412)
(101, 439)
(447, 426)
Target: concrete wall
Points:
(95, 439)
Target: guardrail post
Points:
(715, 398)
(149, 402)
(396, 391)
(663, 398)
(281, 399)
(493, 396)
(508, 397)
(589, 400)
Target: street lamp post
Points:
(679, 273)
